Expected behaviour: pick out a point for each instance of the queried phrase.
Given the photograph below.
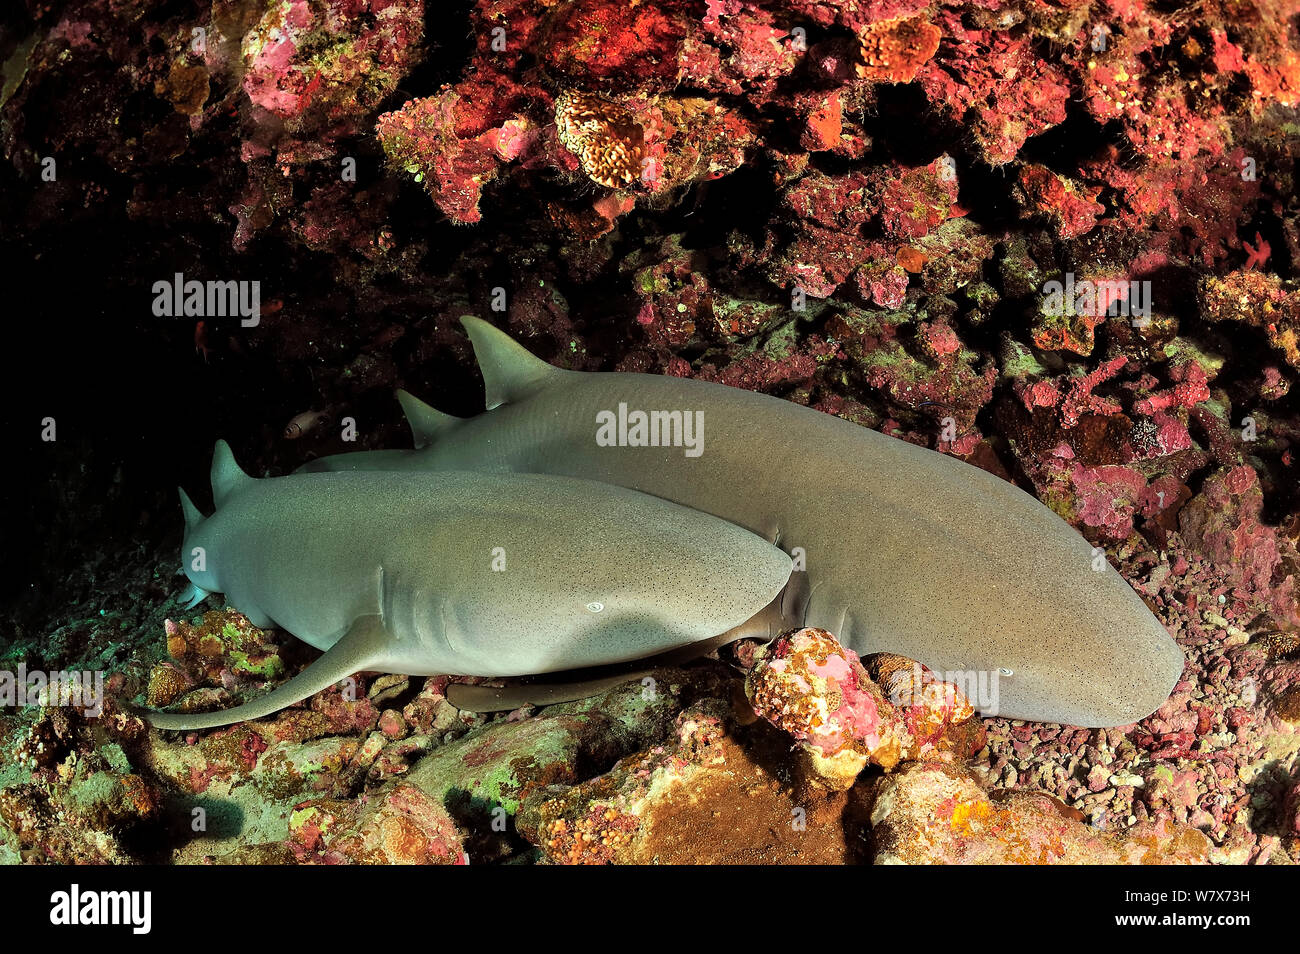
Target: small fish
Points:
(304, 423)
(201, 345)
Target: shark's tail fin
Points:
(362, 647)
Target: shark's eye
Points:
(595, 607)
(1007, 672)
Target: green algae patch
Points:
(14, 70)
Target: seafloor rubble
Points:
(859, 207)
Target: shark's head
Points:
(228, 479)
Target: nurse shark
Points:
(480, 574)
(899, 548)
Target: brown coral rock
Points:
(166, 684)
(893, 50)
(701, 798)
(608, 142)
(929, 813)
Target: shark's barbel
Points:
(466, 573)
(907, 550)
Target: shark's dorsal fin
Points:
(227, 476)
(427, 423)
(192, 515)
(510, 371)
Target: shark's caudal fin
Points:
(510, 371)
(227, 476)
(362, 647)
(427, 423)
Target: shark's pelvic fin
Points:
(427, 423)
(583, 684)
(510, 371)
(505, 698)
(362, 647)
(227, 476)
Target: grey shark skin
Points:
(907, 550)
(394, 571)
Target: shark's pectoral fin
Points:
(255, 616)
(427, 423)
(362, 647)
(193, 596)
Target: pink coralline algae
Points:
(303, 56)
(1073, 212)
(743, 47)
(1190, 389)
(1223, 525)
(1109, 497)
(1079, 398)
(1011, 93)
(810, 686)
(446, 142)
(404, 827)
(914, 201)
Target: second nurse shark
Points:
(905, 550)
